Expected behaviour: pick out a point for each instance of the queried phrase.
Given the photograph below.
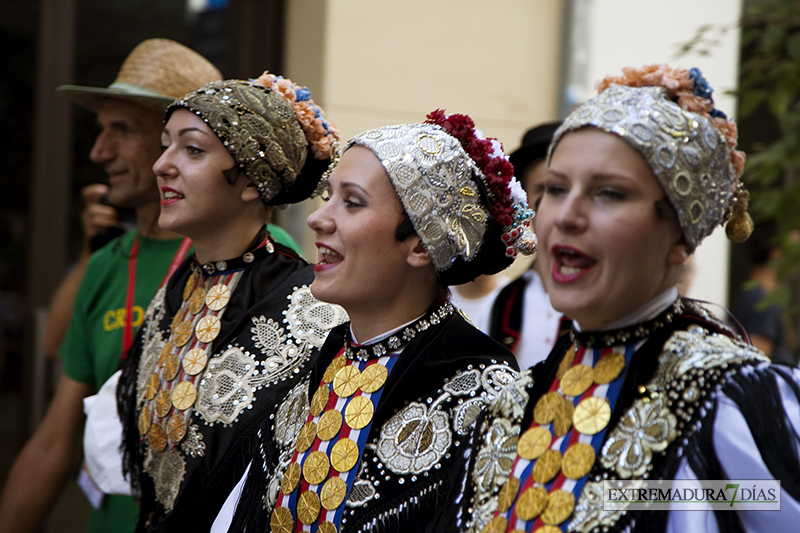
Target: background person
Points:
(648, 385)
(521, 316)
(766, 327)
(130, 113)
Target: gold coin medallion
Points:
(207, 328)
(560, 505)
(145, 419)
(165, 351)
(176, 428)
(197, 300)
(162, 403)
(577, 380)
(545, 410)
(218, 297)
(153, 384)
(182, 333)
(358, 413)
(306, 436)
(563, 420)
(608, 368)
(316, 467)
(497, 524)
(336, 365)
(171, 367)
(291, 478)
(346, 381)
(344, 455)
(548, 529)
(281, 521)
(333, 492)
(565, 363)
(308, 507)
(578, 460)
(373, 377)
(187, 289)
(177, 319)
(183, 395)
(591, 415)
(507, 495)
(327, 527)
(531, 503)
(547, 466)
(195, 361)
(329, 424)
(320, 400)
(534, 442)
(157, 438)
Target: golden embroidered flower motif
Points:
(589, 514)
(646, 428)
(497, 454)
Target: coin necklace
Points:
(171, 389)
(540, 492)
(329, 446)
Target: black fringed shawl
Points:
(262, 291)
(405, 502)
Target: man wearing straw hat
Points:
(119, 280)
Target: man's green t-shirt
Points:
(92, 347)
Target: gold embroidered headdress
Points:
(669, 117)
(274, 131)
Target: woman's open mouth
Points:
(570, 264)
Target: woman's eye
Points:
(554, 189)
(193, 150)
(163, 147)
(612, 194)
(351, 202)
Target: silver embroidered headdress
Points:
(449, 201)
(688, 155)
(266, 131)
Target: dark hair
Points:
(404, 230)
(665, 211)
(232, 174)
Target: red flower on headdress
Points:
(497, 170)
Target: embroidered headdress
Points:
(459, 192)
(273, 129)
(668, 115)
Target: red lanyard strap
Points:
(180, 254)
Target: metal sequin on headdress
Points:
(262, 132)
(688, 155)
(447, 199)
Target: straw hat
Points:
(155, 73)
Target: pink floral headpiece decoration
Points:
(322, 135)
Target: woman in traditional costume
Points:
(649, 385)
(373, 439)
(236, 325)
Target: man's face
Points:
(127, 146)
